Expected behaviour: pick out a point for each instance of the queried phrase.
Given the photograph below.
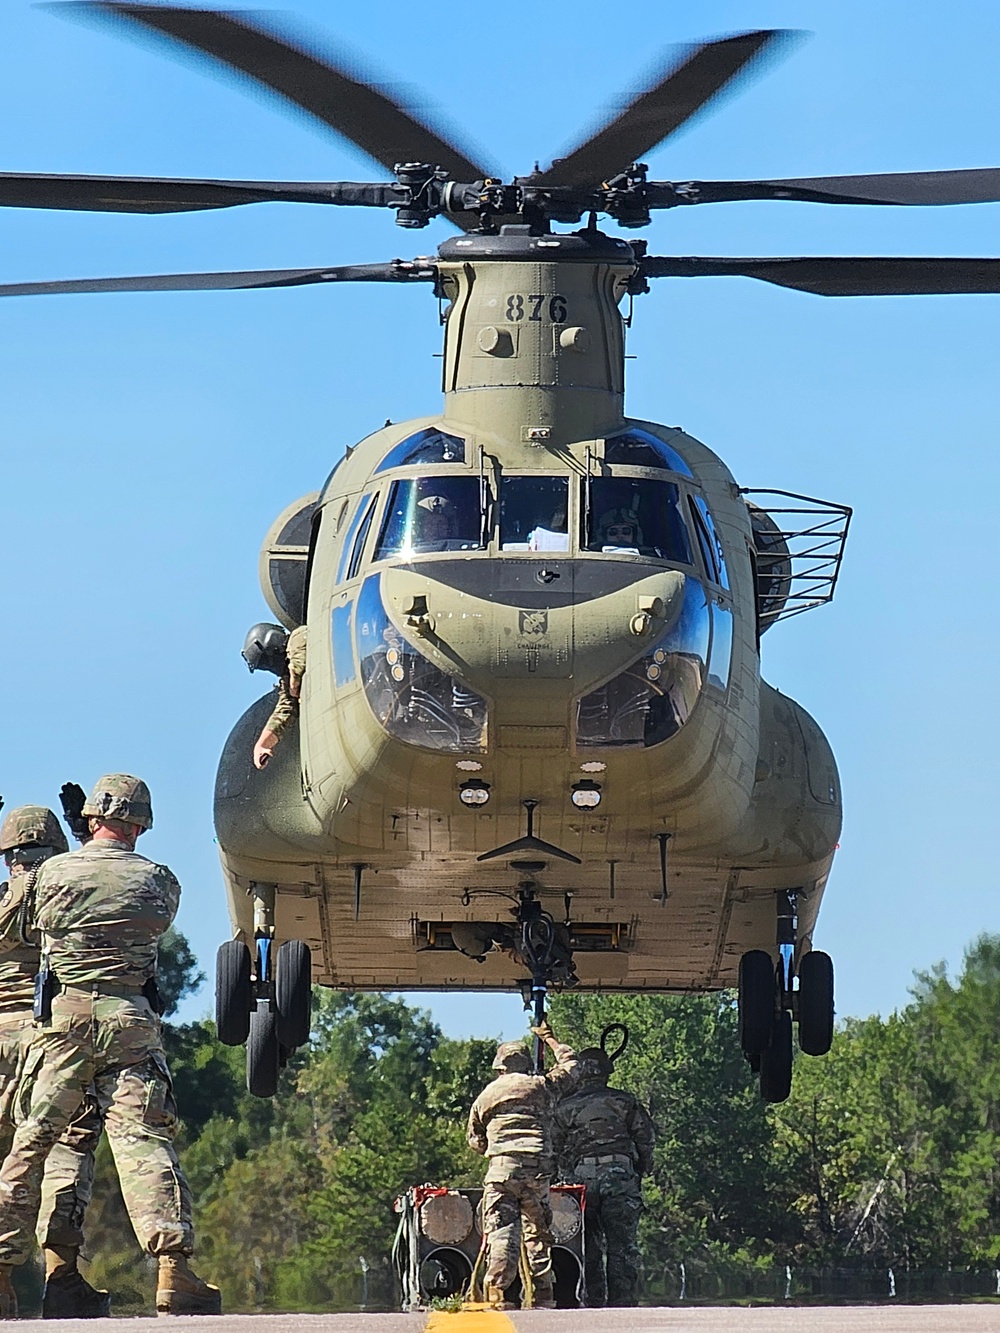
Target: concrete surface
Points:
(714, 1319)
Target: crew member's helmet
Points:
(611, 528)
(265, 648)
(32, 826)
(437, 514)
(595, 1065)
(120, 796)
(512, 1058)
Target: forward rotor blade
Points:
(150, 194)
(660, 111)
(830, 276)
(398, 271)
(377, 123)
(980, 185)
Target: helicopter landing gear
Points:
(769, 1000)
(263, 998)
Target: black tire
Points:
(262, 1052)
(816, 1003)
(776, 1062)
(756, 1002)
(293, 993)
(233, 993)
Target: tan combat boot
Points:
(8, 1296)
(68, 1294)
(180, 1291)
(496, 1298)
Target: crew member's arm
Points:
(566, 1069)
(12, 896)
(476, 1132)
(287, 708)
(640, 1127)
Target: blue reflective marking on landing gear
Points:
(263, 959)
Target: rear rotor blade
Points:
(150, 194)
(419, 270)
(368, 116)
(660, 111)
(920, 188)
(833, 276)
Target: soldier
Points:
(29, 836)
(289, 661)
(604, 1140)
(101, 911)
(510, 1124)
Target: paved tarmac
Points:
(714, 1319)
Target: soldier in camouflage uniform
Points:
(510, 1124)
(29, 836)
(604, 1140)
(101, 911)
(286, 710)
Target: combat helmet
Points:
(32, 826)
(512, 1058)
(595, 1065)
(120, 796)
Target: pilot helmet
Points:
(264, 648)
(440, 508)
(611, 528)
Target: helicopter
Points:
(533, 746)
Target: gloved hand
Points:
(543, 1031)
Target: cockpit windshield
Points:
(427, 514)
(636, 516)
(430, 445)
(638, 448)
(534, 513)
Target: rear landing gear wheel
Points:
(233, 993)
(756, 1002)
(263, 1052)
(293, 993)
(776, 1061)
(816, 1003)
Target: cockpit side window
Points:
(426, 446)
(364, 508)
(708, 540)
(358, 549)
(534, 513)
(426, 514)
(638, 448)
(637, 516)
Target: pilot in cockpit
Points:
(619, 532)
(435, 523)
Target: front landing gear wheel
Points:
(816, 1003)
(776, 1061)
(233, 993)
(293, 993)
(756, 1002)
(263, 1052)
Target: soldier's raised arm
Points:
(565, 1071)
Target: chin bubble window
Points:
(412, 699)
(427, 514)
(534, 513)
(653, 699)
(636, 516)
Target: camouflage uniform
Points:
(101, 911)
(286, 710)
(604, 1141)
(509, 1124)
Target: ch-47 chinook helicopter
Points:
(534, 747)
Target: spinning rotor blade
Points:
(385, 129)
(149, 194)
(977, 186)
(828, 276)
(418, 270)
(660, 111)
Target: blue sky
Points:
(148, 441)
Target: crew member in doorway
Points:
(258, 656)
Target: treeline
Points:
(886, 1153)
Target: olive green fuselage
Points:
(537, 598)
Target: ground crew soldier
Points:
(604, 1140)
(261, 652)
(101, 911)
(510, 1123)
(30, 835)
